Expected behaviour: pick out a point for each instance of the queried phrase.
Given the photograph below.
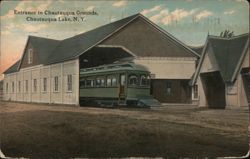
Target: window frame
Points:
(44, 84)
(137, 80)
(7, 87)
(195, 92)
(232, 89)
(13, 87)
(69, 83)
(147, 78)
(30, 56)
(34, 85)
(26, 86)
(102, 81)
(92, 82)
(113, 81)
(56, 84)
(168, 88)
(19, 86)
(82, 83)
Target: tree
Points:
(226, 34)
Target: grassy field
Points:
(42, 131)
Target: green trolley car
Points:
(125, 84)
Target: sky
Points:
(190, 21)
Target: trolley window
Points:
(89, 82)
(111, 81)
(133, 80)
(123, 79)
(82, 83)
(100, 81)
(144, 80)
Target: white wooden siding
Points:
(169, 68)
(39, 73)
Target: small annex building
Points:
(48, 71)
(223, 73)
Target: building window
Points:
(13, 87)
(69, 82)
(56, 83)
(7, 87)
(195, 91)
(19, 86)
(34, 85)
(168, 88)
(44, 84)
(26, 86)
(232, 89)
(30, 56)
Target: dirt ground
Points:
(54, 131)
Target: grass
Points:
(52, 134)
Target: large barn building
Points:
(48, 71)
(223, 73)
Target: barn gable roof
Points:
(43, 47)
(13, 68)
(54, 51)
(229, 55)
(197, 49)
(71, 48)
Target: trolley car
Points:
(125, 84)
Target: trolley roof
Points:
(114, 68)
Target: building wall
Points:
(20, 89)
(164, 57)
(35, 94)
(45, 96)
(171, 91)
(236, 94)
(242, 95)
(169, 68)
(246, 62)
(202, 101)
(177, 70)
(209, 64)
(62, 96)
(35, 58)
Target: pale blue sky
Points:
(187, 20)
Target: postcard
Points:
(124, 79)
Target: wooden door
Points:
(122, 86)
(214, 88)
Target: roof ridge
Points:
(101, 26)
(39, 37)
(230, 38)
(195, 46)
(173, 38)
(11, 67)
(210, 41)
(127, 20)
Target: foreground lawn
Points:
(37, 131)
